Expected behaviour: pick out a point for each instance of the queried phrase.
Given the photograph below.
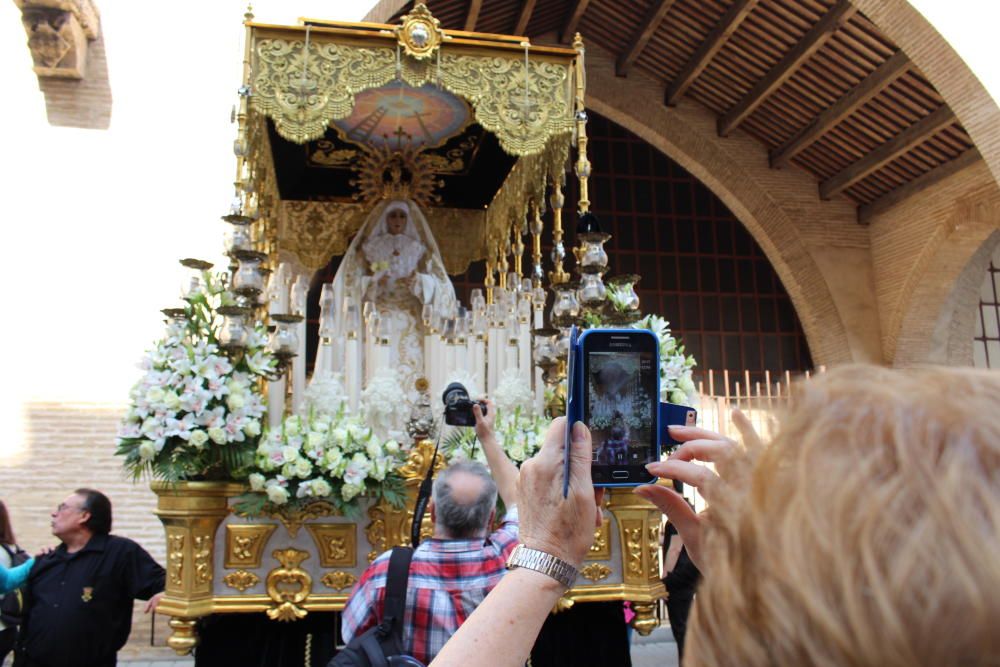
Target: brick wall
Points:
(66, 446)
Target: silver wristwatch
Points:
(539, 561)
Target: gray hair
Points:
(464, 521)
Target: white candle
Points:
(284, 279)
(510, 356)
(479, 362)
(524, 353)
(299, 291)
(492, 358)
(276, 402)
(352, 372)
(539, 381)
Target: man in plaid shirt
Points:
(451, 573)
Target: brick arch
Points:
(937, 323)
(733, 169)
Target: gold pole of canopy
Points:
(502, 264)
(557, 200)
(518, 249)
(582, 163)
(536, 244)
(489, 281)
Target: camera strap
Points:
(423, 496)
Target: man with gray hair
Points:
(452, 572)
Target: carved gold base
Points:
(645, 620)
(183, 638)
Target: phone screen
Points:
(620, 404)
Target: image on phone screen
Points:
(620, 406)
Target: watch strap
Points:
(539, 561)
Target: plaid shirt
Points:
(448, 580)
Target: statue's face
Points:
(396, 221)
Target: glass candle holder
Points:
(233, 333)
(249, 280)
(284, 340)
(594, 256)
(566, 307)
(592, 290)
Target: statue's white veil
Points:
(350, 278)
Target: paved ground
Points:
(656, 650)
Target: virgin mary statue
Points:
(394, 263)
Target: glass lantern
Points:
(592, 290)
(284, 340)
(233, 333)
(566, 307)
(249, 279)
(624, 288)
(594, 256)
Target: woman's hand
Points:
(562, 527)
(698, 445)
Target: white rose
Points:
(171, 400)
(517, 452)
(235, 401)
(198, 438)
(277, 494)
(256, 481)
(334, 461)
(252, 428)
(147, 450)
(686, 384)
(392, 447)
(292, 426)
(321, 487)
(339, 435)
(374, 449)
(217, 435)
(154, 395)
(315, 440)
(303, 468)
(348, 491)
(290, 454)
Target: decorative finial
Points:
(578, 41)
(248, 16)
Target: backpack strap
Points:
(395, 591)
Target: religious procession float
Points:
(292, 407)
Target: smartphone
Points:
(573, 414)
(619, 394)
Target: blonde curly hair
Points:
(866, 533)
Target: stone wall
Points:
(66, 446)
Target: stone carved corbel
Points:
(59, 33)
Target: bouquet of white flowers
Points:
(676, 383)
(332, 456)
(519, 433)
(196, 412)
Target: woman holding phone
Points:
(865, 533)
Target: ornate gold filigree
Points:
(303, 90)
(338, 580)
(395, 173)
(175, 559)
(645, 620)
(245, 544)
(460, 235)
(596, 572)
(288, 586)
(241, 580)
(420, 35)
(633, 547)
(376, 531)
(203, 559)
(316, 231)
(419, 460)
(601, 548)
(294, 517)
(336, 543)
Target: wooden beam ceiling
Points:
(657, 11)
(714, 41)
(780, 73)
(909, 138)
(897, 65)
(919, 184)
(473, 15)
(573, 21)
(527, 8)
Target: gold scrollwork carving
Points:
(601, 548)
(316, 231)
(304, 89)
(295, 517)
(376, 531)
(175, 559)
(336, 543)
(633, 547)
(596, 572)
(203, 559)
(288, 586)
(419, 460)
(338, 580)
(653, 546)
(241, 580)
(245, 544)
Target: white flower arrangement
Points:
(196, 412)
(332, 456)
(519, 433)
(382, 405)
(325, 394)
(676, 383)
(513, 394)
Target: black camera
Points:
(458, 406)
